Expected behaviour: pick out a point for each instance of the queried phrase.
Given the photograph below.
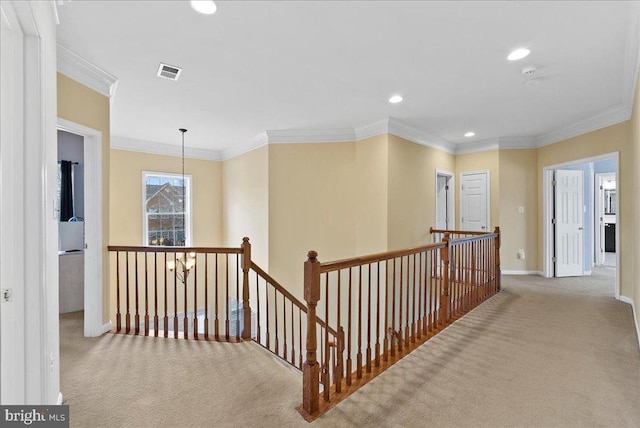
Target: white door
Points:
(569, 223)
(443, 200)
(474, 201)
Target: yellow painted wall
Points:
(245, 198)
(312, 206)
(126, 196)
(412, 190)
(79, 104)
(518, 186)
(606, 140)
(371, 195)
(475, 162)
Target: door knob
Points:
(482, 227)
(581, 228)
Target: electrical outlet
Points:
(7, 295)
(521, 210)
(521, 253)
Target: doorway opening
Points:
(588, 241)
(93, 242)
(445, 200)
(606, 216)
(70, 209)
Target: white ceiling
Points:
(257, 66)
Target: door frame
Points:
(93, 260)
(480, 171)
(547, 214)
(29, 330)
(452, 195)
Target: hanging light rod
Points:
(184, 224)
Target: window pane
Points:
(165, 210)
(166, 229)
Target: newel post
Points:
(246, 308)
(311, 369)
(498, 274)
(444, 297)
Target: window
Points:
(167, 217)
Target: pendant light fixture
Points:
(185, 261)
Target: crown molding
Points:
(517, 142)
(133, 145)
(418, 136)
(372, 130)
(601, 120)
(283, 136)
(79, 69)
(478, 146)
(262, 139)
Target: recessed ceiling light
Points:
(469, 134)
(518, 54)
(206, 7)
(395, 99)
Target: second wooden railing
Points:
(205, 293)
(385, 305)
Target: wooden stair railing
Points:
(279, 333)
(386, 305)
(208, 294)
(180, 292)
(375, 309)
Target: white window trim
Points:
(188, 215)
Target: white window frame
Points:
(188, 215)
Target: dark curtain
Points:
(66, 190)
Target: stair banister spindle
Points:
(246, 308)
(146, 295)
(206, 296)
(118, 315)
(137, 316)
(155, 294)
(310, 370)
(444, 298)
(497, 241)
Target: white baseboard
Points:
(60, 399)
(629, 300)
(521, 272)
(106, 327)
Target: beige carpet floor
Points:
(542, 353)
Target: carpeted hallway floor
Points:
(542, 353)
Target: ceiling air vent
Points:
(170, 72)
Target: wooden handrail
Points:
(289, 296)
(164, 249)
(459, 232)
(459, 241)
(374, 258)
(277, 286)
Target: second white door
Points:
(569, 223)
(474, 201)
